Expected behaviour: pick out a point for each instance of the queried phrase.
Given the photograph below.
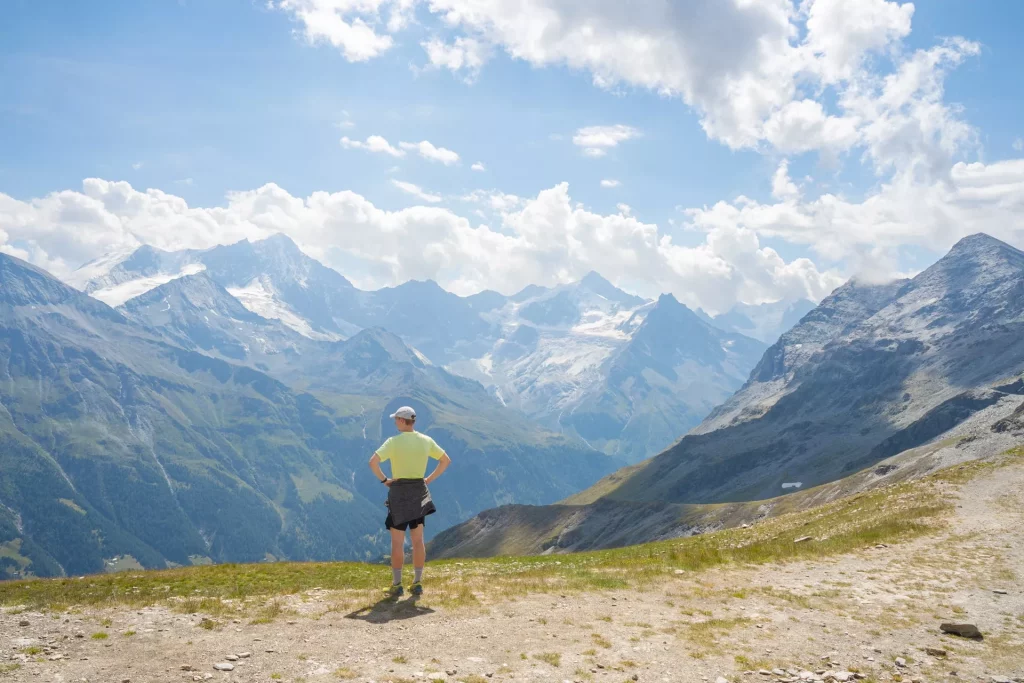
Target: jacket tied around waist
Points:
(409, 499)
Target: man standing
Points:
(409, 500)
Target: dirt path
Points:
(857, 613)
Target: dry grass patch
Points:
(552, 658)
(706, 634)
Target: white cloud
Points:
(374, 143)
(782, 187)
(428, 151)
(969, 198)
(494, 199)
(349, 25)
(610, 183)
(597, 140)
(478, 166)
(1018, 145)
(137, 165)
(416, 191)
(466, 55)
(840, 34)
(547, 239)
(815, 75)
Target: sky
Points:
(722, 150)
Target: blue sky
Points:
(223, 92)
(199, 99)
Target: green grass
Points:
(100, 635)
(888, 515)
(9, 668)
(343, 672)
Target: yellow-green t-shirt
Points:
(408, 453)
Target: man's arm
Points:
(442, 465)
(375, 466)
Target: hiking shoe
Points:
(417, 589)
(394, 591)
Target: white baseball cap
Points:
(405, 412)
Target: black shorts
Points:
(411, 524)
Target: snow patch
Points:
(793, 485)
(126, 291)
(262, 300)
(97, 268)
(598, 323)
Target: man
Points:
(409, 500)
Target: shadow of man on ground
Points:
(390, 609)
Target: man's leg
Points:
(419, 552)
(397, 554)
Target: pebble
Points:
(935, 651)
(802, 539)
(232, 658)
(900, 662)
(999, 591)
(244, 655)
(224, 666)
(721, 679)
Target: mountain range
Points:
(872, 373)
(574, 359)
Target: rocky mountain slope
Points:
(872, 372)
(672, 371)
(127, 439)
(117, 443)
(627, 375)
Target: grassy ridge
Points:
(892, 514)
